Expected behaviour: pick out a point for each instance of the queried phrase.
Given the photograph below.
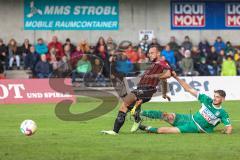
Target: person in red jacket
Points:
(58, 46)
(131, 54)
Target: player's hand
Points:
(174, 74)
(166, 97)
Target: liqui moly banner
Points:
(35, 91)
(205, 14)
(188, 14)
(232, 14)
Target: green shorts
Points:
(185, 124)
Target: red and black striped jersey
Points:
(156, 68)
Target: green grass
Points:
(61, 140)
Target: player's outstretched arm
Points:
(185, 85)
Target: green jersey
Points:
(209, 116)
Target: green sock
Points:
(152, 114)
(153, 130)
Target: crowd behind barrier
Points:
(105, 59)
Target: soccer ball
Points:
(28, 127)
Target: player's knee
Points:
(129, 99)
(123, 108)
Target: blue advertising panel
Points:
(71, 14)
(205, 15)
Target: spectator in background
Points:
(237, 55)
(85, 48)
(203, 67)
(67, 51)
(229, 50)
(142, 57)
(2, 76)
(237, 60)
(112, 54)
(187, 64)
(68, 42)
(173, 44)
(97, 73)
(180, 54)
(3, 53)
(204, 47)
(41, 47)
(75, 56)
(13, 53)
(124, 66)
(212, 61)
(187, 44)
(52, 53)
(169, 56)
(54, 65)
(101, 42)
(229, 67)
(83, 70)
(64, 67)
(219, 44)
(43, 69)
(58, 47)
(156, 44)
(102, 54)
(131, 54)
(196, 56)
(238, 66)
(111, 46)
(220, 60)
(144, 45)
(25, 48)
(30, 58)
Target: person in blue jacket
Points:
(169, 56)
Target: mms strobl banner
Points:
(71, 15)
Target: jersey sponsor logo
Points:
(232, 14)
(208, 115)
(217, 113)
(188, 14)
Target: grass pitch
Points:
(61, 140)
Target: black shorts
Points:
(144, 93)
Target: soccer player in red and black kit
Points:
(158, 71)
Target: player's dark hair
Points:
(222, 93)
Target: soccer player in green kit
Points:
(205, 120)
